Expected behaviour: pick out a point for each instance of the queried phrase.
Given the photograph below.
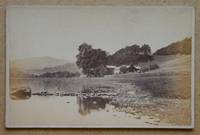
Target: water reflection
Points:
(87, 104)
(88, 98)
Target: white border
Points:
(7, 125)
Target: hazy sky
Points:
(57, 31)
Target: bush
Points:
(150, 67)
(154, 66)
(123, 69)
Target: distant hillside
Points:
(37, 63)
(180, 47)
(41, 65)
(69, 67)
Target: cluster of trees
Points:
(131, 55)
(93, 61)
(180, 47)
(90, 60)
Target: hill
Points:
(170, 63)
(180, 63)
(41, 65)
(37, 63)
(69, 67)
(179, 47)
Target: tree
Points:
(146, 49)
(123, 69)
(146, 53)
(89, 59)
(125, 56)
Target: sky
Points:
(57, 31)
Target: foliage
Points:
(146, 49)
(154, 66)
(132, 68)
(90, 60)
(150, 67)
(130, 55)
(123, 69)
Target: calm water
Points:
(66, 110)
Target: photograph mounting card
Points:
(99, 66)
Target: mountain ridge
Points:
(37, 62)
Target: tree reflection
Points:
(87, 104)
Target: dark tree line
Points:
(131, 55)
(93, 61)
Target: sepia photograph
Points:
(99, 67)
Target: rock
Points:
(150, 117)
(157, 120)
(94, 102)
(137, 117)
(148, 122)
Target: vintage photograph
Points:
(99, 67)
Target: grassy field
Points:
(166, 97)
(164, 93)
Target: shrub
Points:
(150, 67)
(154, 66)
(123, 69)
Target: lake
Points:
(63, 111)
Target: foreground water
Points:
(70, 111)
